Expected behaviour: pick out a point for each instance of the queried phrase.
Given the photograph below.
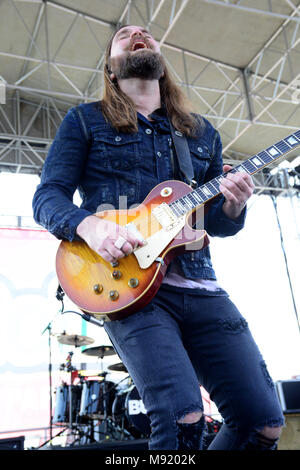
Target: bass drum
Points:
(97, 399)
(129, 412)
(62, 404)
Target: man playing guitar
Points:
(190, 333)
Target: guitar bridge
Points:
(156, 243)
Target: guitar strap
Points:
(183, 156)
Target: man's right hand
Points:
(101, 235)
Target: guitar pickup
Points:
(165, 216)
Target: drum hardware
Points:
(118, 367)
(49, 329)
(105, 425)
(129, 413)
(74, 340)
(97, 399)
(67, 366)
(59, 296)
(90, 373)
(70, 400)
(100, 409)
(66, 393)
(68, 396)
(99, 351)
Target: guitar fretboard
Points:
(254, 164)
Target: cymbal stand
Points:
(72, 425)
(70, 369)
(107, 420)
(49, 329)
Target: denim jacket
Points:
(117, 170)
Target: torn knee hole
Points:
(190, 431)
(269, 432)
(191, 418)
(259, 441)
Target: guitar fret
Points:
(234, 170)
(219, 179)
(215, 184)
(197, 197)
(193, 199)
(256, 161)
(203, 196)
(292, 140)
(297, 134)
(184, 205)
(206, 190)
(282, 146)
(211, 188)
(267, 157)
(242, 169)
(181, 206)
(239, 169)
(175, 209)
(188, 202)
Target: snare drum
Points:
(62, 404)
(96, 399)
(129, 412)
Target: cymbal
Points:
(74, 340)
(118, 367)
(99, 351)
(92, 373)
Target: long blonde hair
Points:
(119, 110)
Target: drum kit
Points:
(93, 408)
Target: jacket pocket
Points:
(117, 151)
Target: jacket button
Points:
(178, 133)
(118, 138)
(200, 150)
(148, 131)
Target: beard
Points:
(144, 64)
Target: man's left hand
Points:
(237, 188)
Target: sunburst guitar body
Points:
(113, 292)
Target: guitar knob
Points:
(116, 274)
(115, 264)
(113, 295)
(133, 282)
(98, 288)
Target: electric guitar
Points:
(164, 219)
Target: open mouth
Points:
(138, 45)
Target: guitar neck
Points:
(209, 190)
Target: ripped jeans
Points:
(187, 337)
